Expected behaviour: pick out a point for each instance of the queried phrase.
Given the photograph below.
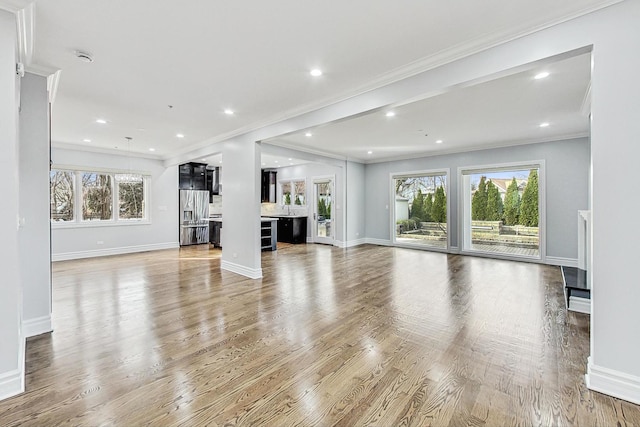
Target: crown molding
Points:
(14, 6)
(40, 70)
(25, 20)
(100, 150)
(505, 144)
(52, 85)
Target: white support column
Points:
(241, 208)
(34, 237)
(11, 339)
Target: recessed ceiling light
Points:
(152, 149)
(439, 141)
(220, 161)
(290, 158)
(544, 125)
(263, 163)
(276, 161)
(308, 134)
(101, 121)
(369, 152)
(179, 135)
(316, 72)
(86, 140)
(229, 112)
(390, 114)
(541, 75)
(204, 160)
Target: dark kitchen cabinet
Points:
(268, 187)
(292, 229)
(192, 176)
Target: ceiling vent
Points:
(83, 56)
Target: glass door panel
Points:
(323, 224)
(420, 210)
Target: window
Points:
(420, 209)
(294, 192)
(61, 192)
(130, 196)
(102, 197)
(97, 197)
(502, 210)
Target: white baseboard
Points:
(454, 250)
(36, 326)
(65, 256)
(614, 383)
(581, 305)
(357, 242)
(309, 239)
(251, 273)
(379, 242)
(564, 262)
(11, 384)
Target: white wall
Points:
(567, 177)
(11, 339)
(161, 233)
(34, 238)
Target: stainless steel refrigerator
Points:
(194, 217)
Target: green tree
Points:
(287, 198)
(494, 203)
(479, 202)
(298, 201)
(439, 210)
(428, 207)
(512, 204)
(529, 207)
(322, 207)
(417, 206)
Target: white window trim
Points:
(392, 203)
(115, 221)
(542, 208)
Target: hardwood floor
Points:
(362, 336)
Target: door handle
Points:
(314, 216)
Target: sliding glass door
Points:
(503, 210)
(420, 208)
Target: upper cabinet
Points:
(192, 176)
(268, 187)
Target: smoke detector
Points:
(83, 56)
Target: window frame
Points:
(115, 221)
(291, 182)
(446, 172)
(464, 204)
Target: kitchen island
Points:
(291, 228)
(268, 233)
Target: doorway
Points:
(323, 224)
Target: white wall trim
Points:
(564, 262)
(11, 383)
(612, 382)
(25, 20)
(356, 242)
(36, 326)
(113, 251)
(379, 242)
(251, 273)
(454, 250)
(580, 305)
(13, 6)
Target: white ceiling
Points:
(500, 112)
(254, 57)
